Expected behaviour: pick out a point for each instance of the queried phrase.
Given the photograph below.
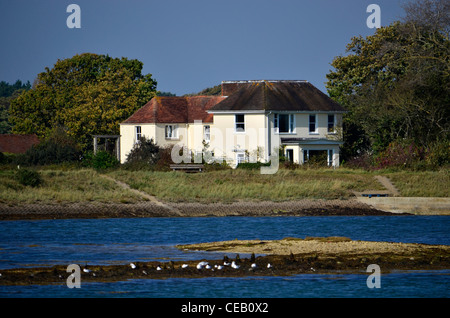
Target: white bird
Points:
(86, 270)
(253, 265)
(144, 272)
(158, 268)
(208, 267)
(226, 263)
(184, 266)
(269, 266)
(234, 265)
(201, 265)
(132, 266)
(220, 267)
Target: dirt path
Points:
(388, 185)
(144, 195)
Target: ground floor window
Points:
(318, 157)
(240, 157)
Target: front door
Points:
(290, 155)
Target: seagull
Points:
(86, 270)
(226, 263)
(269, 266)
(208, 267)
(233, 264)
(201, 264)
(184, 266)
(132, 266)
(158, 268)
(253, 265)
(219, 267)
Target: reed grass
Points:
(232, 185)
(71, 186)
(87, 185)
(422, 184)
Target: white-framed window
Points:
(330, 157)
(331, 123)
(207, 133)
(284, 123)
(240, 157)
(171, 132)
(137, 134)
(313, 124)
(239, 120)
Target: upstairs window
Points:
(284, 123)
(331, 124)
(138, 133)
(239, 123)
(312, 124)
(171, 132)
(207, 133)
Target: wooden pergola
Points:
(106, 137)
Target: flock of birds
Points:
(200, 266)
(205, 265)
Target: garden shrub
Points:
(145, 155)
(438, 154)
(56, 149)
(101, 160)
(399, 154)
(28, 177)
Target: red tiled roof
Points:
(164, 109)
(17, 143)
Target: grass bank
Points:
(87, 185)
(63, 186)
(421, 184)
(232, 185)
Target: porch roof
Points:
(310, 141)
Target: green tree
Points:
(8, 92)
(86, 94)
(395, 84)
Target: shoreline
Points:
(96, 210)
(335, 255)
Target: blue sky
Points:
(188, 45)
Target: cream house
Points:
(249, 122)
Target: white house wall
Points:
(226, 142)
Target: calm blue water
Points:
(109, 241)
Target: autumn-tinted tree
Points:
(395, 83)
(87, 94)
(8, 92)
